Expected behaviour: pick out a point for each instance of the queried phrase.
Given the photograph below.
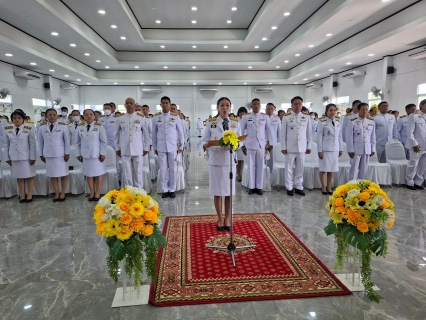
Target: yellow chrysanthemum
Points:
(136, 210)
(100, 228)
(362, 215)
(137, 224)
(112, 194)
(144, 200)
(98, 216)
(124, 233)
(126, 219)
(148, 230)
(230, 137)
(351, 217)
(112, 227)
(339, 202)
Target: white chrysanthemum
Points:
(379, 200)
(104, 202)
(371, 204)
(105, 217)
(151, 203)
(137, 191)
(353, 193)
(114, 211)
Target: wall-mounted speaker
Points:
(47, 85)
(335, 84)
(391, 70)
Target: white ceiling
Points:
(358, 28)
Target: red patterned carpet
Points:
(279, 267)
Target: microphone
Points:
(225, 124)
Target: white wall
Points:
(402, 85)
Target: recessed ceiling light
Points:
(168, 83)
(194, 8)
(297, 54)
(51, 70)
(136, 67)
(123, 38)
(73, 45)
(157, 21)
(98, 60)
(55, 34)
(101, 11)
(87, 54)
(385, 0)
(331, 70)
(305, 79)
(66, 76)
(250, 67)
(9, 55)
(296, 82)
(226, 47)
(264, 39)
(162, 47)
(78, 79)
(286, 61)
(142, 83)
(33, 63)
(371, 54)
(348, 63)
(286, 13)
(245, 82)
(194, 47)
(220, 83)
(311, 46)
(274, 28)
(88, 83)
(328, 34)
(270, 82)
(317, 75)
(229, 21)
(194, 67)
(114, 26)
(277, 67)
(194, 21)
(234, 9)
(194, 83)
(166, 67)
(256, 47)
(115, 83)
(106, 67)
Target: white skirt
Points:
(22, 169)
(219, 180)
(329, 161)
(56, 167)
(240, 155)
(93, 167)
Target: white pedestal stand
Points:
(128, 295)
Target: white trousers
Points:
(359, 165)
(132, 171)
(199, 132)
(270, 162)
(168, 170)
(416, 168)
(381, 153)
(294, 170)
(255, 167)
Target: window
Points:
(285, 106)
(6, 106)
(160, 109)
(421, 92)
(94, 107)
(373, 99)
(342, 104)
(39, 105)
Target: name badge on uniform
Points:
(250, 119)
(45, 131)
(95, 129)
(112, 122)
(213, 126)
(58, 131)
(172, 119)
(137, 121)
(370, 124)
(234, 125)
(25, 131)
(262, 119)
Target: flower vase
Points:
(128, 295)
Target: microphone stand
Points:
(231, 246)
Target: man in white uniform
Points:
(200, 127)
(360, 142)
(132, 142)
(296, 140)
(72, 126)
(348, 117)
(64, 115)
(385, 130)
(257, 126)
(167, 141)
(275, 122)
(416, 142)
(401, 127)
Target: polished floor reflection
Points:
(52, 262)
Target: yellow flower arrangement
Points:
(360, 213)
(229, 138)
(129, 219)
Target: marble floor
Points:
(52, 262)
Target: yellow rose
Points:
(362, 226)
(364, 196)
(148, 230)
(124, 233)
(148, 215)
(137, 224)
(126, 219)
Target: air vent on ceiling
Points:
(209, 89)
(353, 74)
(26, 75)
(418, 55)
(68, 86)
(262, 89)
(151, 90)
(314, 85)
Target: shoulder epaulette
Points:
(43, 123)
(305, 112)
(212, 119)
(29, 121)
(287, 114)
(118, 115)
(140, 114)
(82, 123)
(234, 119)
(174, 114)
(403, 116)
(10, 122)
(98, 123)
(8, 127)
(27, 127)
(158, 113)
(323, 120)
(337, 117)
(348, 114)
(63, 123)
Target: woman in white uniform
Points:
(219, 161)
(240, 156)
(20, 145)
(76, 120)
(330, 147)
(90, 148)
(54, 150)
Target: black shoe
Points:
(165, 195)
(57, 199)
(220, 228)
(324, 192)
(61, 199)
(95, 199)
(290, 192)
(330, 192)
(419, 187)
(300, 192)
(227, 228)
(91, 199)
(411, 187)
(23, 200)
(172, 195)
(259, 192)
(251, 191)
(29, 200)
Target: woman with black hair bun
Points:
(20, 145)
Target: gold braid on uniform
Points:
(82, 123)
